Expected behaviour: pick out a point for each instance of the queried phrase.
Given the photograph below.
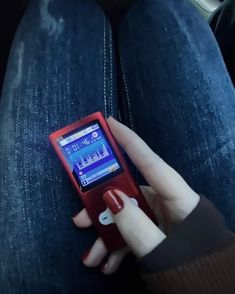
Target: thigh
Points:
(60, 69)
(178, 96)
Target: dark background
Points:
(10, 14)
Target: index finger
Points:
(159, 175)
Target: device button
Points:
(105, 218)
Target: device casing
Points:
(93, 198)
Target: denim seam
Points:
(127, 95)
(123, 93)
(111, 70)
(105, 70)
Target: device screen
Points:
(90, 155)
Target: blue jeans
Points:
(169, 84)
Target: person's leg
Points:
(60, 69)
(178, 95)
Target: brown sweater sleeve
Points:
(198, 257)
(210, 274)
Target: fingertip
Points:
(79, 224)
(86, 260)
(105, 269)
(94, 256)
(111, 120)
(111, 264)
(85, 255)
(82, 219)
(75, 220)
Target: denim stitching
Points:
(123, 94)
(105, 70)
(111, 70)
(127, 96)
(135, 171)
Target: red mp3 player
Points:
(95, 164)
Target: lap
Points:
(178, 95)
(61, 68)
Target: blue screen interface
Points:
(89, 154)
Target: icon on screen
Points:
(94, 135)
(80, 173)
(86, 142)
(84, 182)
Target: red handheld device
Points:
(95, 164)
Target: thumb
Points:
(139, 232)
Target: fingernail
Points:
(113, 201)
(85, 254)
(104, 268)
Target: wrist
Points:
(202, 232)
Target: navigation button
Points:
(105, 218)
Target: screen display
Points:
(90, 155)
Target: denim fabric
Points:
(176, 94)
(61, 68)
(179, 97)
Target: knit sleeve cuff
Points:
(201, 233)
(213, 273)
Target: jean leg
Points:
(60, 69)
(179, 97)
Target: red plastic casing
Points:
(92, 199)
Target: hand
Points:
(169, 196)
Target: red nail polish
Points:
(113, 201)
(84, 256)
